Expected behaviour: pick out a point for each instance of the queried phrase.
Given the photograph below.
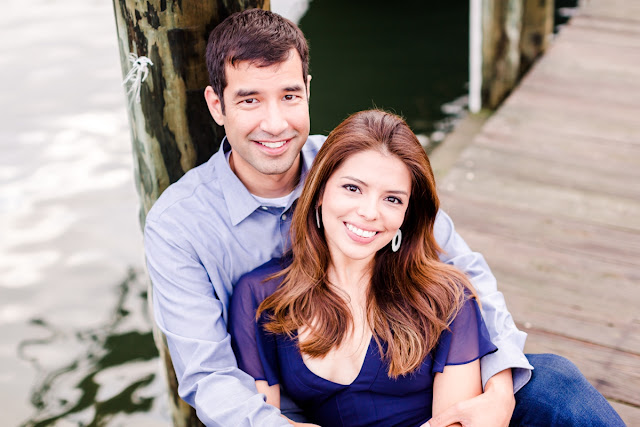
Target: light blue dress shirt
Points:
(204, 232)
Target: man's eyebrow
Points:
(361, 182)
(295, 88)
(240, 93)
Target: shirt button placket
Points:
(285, 220)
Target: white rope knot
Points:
(136, 75)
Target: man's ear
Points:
(308, 86)
(214, 104)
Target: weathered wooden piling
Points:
(171, 129)
(514, 33)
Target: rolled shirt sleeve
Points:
(503, 331)
(190, 314)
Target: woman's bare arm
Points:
(455, 384)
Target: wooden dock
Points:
(549, 192)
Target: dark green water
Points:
(409, 57)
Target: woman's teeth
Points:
(359, 232)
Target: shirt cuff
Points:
(507, 356)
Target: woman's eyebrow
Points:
(398, 192)
(359, 181)
(364, 184)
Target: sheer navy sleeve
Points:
(255, 349)
(466, 341)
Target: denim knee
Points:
(558, 394)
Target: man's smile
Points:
(274, 144)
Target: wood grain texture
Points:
(535, 35)
(612, 372)
(549, 193)
(629, 413)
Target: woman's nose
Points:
(368, 208)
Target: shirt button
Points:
(284, 217)
(264, 208)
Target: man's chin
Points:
(275, 171)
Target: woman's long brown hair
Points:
(412, 297)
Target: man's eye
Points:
(289, 97)
(352, 188)
(249, 101)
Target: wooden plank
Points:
(600, 155)
(527, 120)
(623, 10)
(629, 29)
(572, 116)
(574, 58)
(553, 171)
(566, 293)
(623, 32)
(551, 306)
(551, 232)
(545, 199)
(629, 414)
(603, 92)
(602, 32)
(613, 373)
(531, 100)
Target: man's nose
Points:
(274, 121)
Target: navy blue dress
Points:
(372, 399)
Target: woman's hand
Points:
(273, 398)
(493, 408)
(293, 423)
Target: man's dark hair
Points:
(264, 38)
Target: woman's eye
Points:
(394, 200)
(352, 188)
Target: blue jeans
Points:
(559, 395)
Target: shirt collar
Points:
(240, 202)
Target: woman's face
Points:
(363, 205)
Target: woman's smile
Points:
(364, 203)
(360, 233)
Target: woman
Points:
(361, 323)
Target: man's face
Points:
(266, 117)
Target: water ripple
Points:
(89, 377)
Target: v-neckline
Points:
(363, 368)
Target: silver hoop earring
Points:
(395, 242)
(318, 218)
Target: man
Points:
(232, 214)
